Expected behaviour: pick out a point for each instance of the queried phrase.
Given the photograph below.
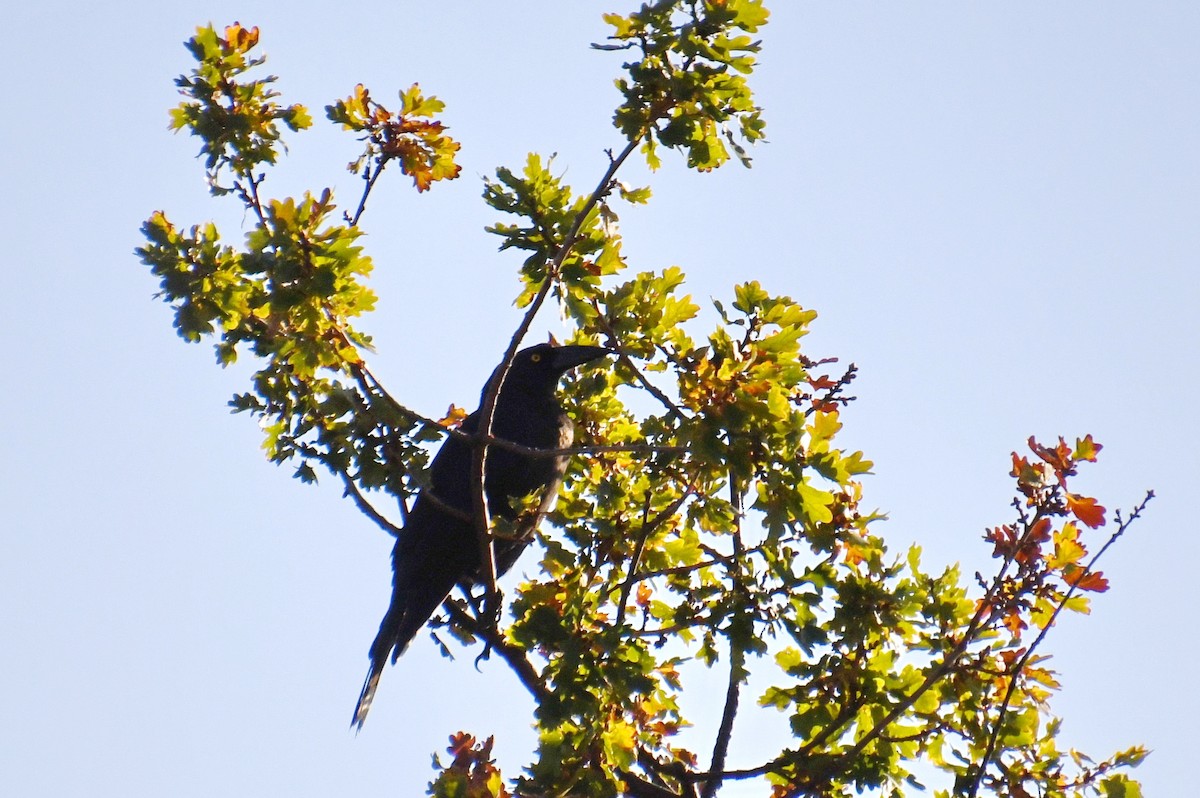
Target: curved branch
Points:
(487, 410)
(366, 507)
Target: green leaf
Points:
(816, 503)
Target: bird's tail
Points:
(367, 694)
(400, 625)
(394, 636)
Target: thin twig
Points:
(370, 178)
(640, 788)
(1020, 665)
(250, 198)
(487, 410)
(640, 546)
(366, 507)
(627, 361)
(678, 570)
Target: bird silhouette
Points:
(438, 546)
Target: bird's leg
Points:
(471, 598)
(478, 604)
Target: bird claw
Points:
(484, 655)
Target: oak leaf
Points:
(1086, 510)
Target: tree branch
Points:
(737, 653)
(526, 673)
(370, 178)
(627, 361)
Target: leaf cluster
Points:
(236, 119)
(688, 86)
(412, 136)
(290, 293)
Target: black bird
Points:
(439, 548)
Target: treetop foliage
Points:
(723, 527)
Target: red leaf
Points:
(1005, 539)
(1031, 543)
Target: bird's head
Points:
(539, 368)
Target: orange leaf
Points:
(1014, 623)
(239, 38)
(454, 417)
(1086, 510)
(1085, 579)
(460, 743)
(1059, 457)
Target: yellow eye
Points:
(535, 357)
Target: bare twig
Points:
(1020, 665)
(250, 197)
(369, 177)
(640, 788)
(366, 507)
(627, 361)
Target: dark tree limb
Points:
(514, 656)
(737, 653)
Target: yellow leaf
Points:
(1067, 549)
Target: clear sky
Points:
(994, 207)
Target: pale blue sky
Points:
(994, 208)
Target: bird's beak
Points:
(568, 357)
